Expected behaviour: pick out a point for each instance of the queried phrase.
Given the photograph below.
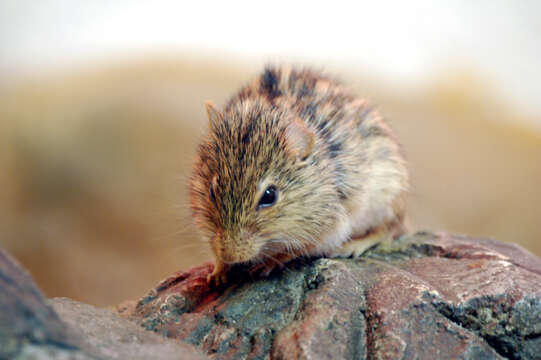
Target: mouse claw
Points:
(219, 276)
(265, 268)
(262, 269)
(266, 271)
(217, 280)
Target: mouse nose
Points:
(236, 249)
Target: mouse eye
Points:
(211, 194)
(268, 198)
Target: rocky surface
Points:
(426, 296)
(117, 338)
(27, 323)
(33, 328)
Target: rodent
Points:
(296, 165)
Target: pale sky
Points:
(403, 42)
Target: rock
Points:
(30, 328)
(117, 338)
(26, 321)
(424, 296)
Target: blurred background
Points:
(101, 108)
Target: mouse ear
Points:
(300, 139)
(214, 116)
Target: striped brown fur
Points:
(351, 182)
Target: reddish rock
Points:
(427, 296)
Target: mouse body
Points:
(296, 165)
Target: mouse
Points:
(296, 165)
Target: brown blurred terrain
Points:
(95, 166)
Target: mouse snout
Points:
(236, 248)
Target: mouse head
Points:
(256, 190)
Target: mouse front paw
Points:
(266, 267)
(262, 269)
(219, 276)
